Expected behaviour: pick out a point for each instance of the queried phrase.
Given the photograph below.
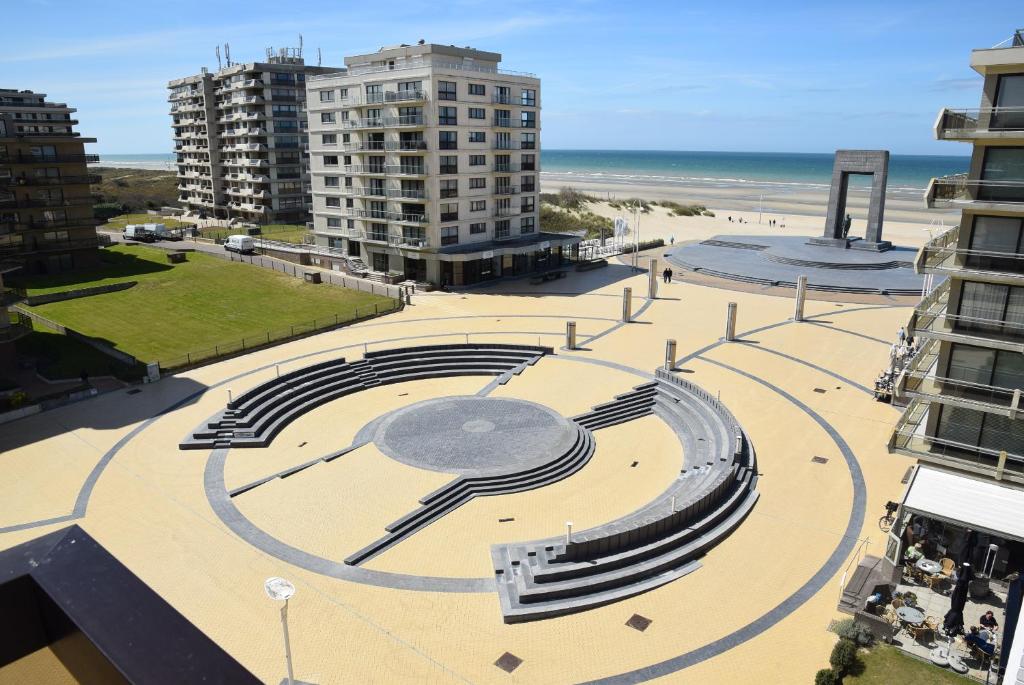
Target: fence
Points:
(254, 342)
(299, 271)
(120, 356)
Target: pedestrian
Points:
(666, 275)
(730, 219)
(902, 334)
(672, 239)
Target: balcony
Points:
(47, 159)
(505, 167)
(32, 202)
(411, 120)
(506, 144)
(372, 169)
(910, 438)
(406, 169)
(957, 191)
(31, 246)
(18, 326)
(931, 320)
(449, 216)
(405, 95)
(503, 122)
(407, 193)
(942, 256)
(50, 180)
(406, 145)
(366, 146)
(991, 123)
(363, 191)
(503, 212)
(506, 190)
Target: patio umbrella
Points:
(953, 621)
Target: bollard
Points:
(229, 395)
(670, 355)
(730, 322)
(652, 279)
(1001, 465)
(568, 533)
(673, 504)
(801, 296)
(570, 335)
(627, 304)
(408, 295)
(277, 369)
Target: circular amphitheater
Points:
(483, 446)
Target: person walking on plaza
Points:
(667, 275)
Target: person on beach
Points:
(667, 275)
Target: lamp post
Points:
(281, 590)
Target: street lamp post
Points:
(281, 590)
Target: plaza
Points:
(336, 477)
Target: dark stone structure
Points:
(874, 163)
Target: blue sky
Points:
(686, 75)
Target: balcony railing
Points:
(506, 190)
(1014, 41)
(37, 202)
(932, 320)
(30, 246)
(503, 122)
(49, 180)
(960, 124)
(506, 144)
(420, 63)
(364, 169)
(407, 194)
(47, 159)
(365, 146)
(406, 169)
(505, 167)
(403, 121)
(941, 255)
(19, 325)
(957, 190)
(406, 145)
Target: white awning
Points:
(985, 506)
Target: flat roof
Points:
(985, 505)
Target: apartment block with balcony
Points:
(241, 141)
(46, 218)
(965, 384)
(425, 163)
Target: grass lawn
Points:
(120, 222)
(192, 306)
(885, 665)
(287, 233)
(60, 357)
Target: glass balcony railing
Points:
(964, 124)
(957, 191)
(941, 255)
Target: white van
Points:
(138, 232)
(242, 244)
(161, 232)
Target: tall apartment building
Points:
(46, 219)
(241, 142)
(966, 383)
(425, 163)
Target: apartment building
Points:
(425, 162)
(965, 385)
(46, 218)
(241, 142)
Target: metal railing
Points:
(941, 254)
(931, 317)
(506, 190)
(956, 189)
(955, 123)
(420, 63)
(19, 325)
(1014, 41)
(47, 159)
(506, 144)
(49, 180)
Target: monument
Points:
(874, 163)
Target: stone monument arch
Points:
(874, 163)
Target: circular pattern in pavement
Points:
(473, 435)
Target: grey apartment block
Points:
(240, 139)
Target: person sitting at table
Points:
(989, 621)
(975, 639)
(913, 553)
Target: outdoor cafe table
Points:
(928, 566)
(911, 615)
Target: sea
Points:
(766, 171)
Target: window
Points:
(528, 183)
(446, 90)
(291, 111)
(447, 116)
(410, 87)
(1005, 165)
(332, 201)
(478, 206)
(502, 228)
(1001, 238)
(528, 119)
(526, 205)
(449, 187)
(329, 139)
(449, 211)
(333, 222)
(477, 183)
(447, 140)
(330, 160)
(450, 235)
(526, 224)
(326, 96)
(326, 117)
(528, 163)
(477, 137)
(343, 93)
(528, 98)
(374, 93)
(330, 181)
(503, 117)
(528, 141)
(345, 115)
(986, 306)
(478, 160)
(478, 228)
(1010, 103)
(503, 95)
(477, 89)
(477, 113)
(449, 164)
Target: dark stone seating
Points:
(655, 544)
(255, 417)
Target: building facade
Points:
(46, 217)
(965, 384)
(241, 142)
(425, 163)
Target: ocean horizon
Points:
(765, 170)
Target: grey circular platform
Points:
(473, 435)
(781, 260)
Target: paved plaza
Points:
(205, 527)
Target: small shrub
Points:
(856, 633)
(825, 677)
(844, 657)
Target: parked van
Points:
(161, 232)
(138, 232)
(242, 244)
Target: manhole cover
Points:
(820, 390)
(638, 622)
(819, 460)
(508, 662)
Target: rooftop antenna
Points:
(270, 51)
(217, 50)
(319, 57)
(227, 53)
(300, 45)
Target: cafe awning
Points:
(984, 505)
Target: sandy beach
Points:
(797, 210)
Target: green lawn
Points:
(59, 357)
(287, 233)
(202, 303)
(121, 221)
(885, 665)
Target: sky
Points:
(734, 75)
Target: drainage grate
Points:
(302, 444)
(134, 391)
(508, 662)
(510, 518)
(819, 460)
(821, 390)
(633, 465)
(638, 622)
